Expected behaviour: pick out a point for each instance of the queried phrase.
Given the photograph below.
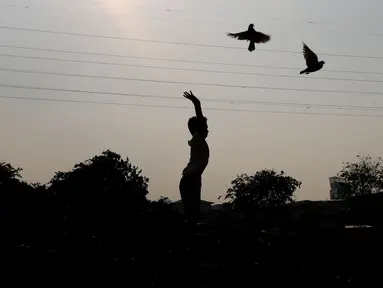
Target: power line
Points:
(230, 101)
(183, 107)
(231, 20)
(116, 37)
(178, 60)
(177, 43)
(188, 83)
(188, 69)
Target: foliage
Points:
(87, 223)
(8, 173)
(362, 177)
(161, 211)
(101, 195)
(264, 189)
(163, 201)
(105, 196)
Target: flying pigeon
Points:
(252, 36)
(312, 62)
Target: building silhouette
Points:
(334, 188)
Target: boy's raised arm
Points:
(197, 104)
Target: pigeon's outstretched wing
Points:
(261, 38)
(310, 56)
(240, 36)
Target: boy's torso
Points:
(199, 155)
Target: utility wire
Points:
(230, 101)
(188, 69)
(189, 83)
(199, 20)
(183, 107)
(177, 43)
(177, 60)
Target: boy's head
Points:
(199, 124)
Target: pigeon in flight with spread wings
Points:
(312, 62)
(251, 35)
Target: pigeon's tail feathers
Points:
(303, 71)
(251, 46)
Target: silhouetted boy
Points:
(191, 181)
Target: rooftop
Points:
(202, 202)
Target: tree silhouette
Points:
(9, 174)
(162, 211)
(266, 188)
(362, 177)
(95, 222)
(16, 205)
(103, 197)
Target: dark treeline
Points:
(96, 221)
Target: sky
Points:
(301, 138)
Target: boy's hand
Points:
(197, 104)
(189, 95)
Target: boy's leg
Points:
(190, 190)
(196, 196)
(190, 198)
(185, 195)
